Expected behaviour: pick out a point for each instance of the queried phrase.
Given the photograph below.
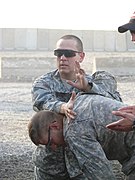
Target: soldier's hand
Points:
(67, 108)
(81, 82)
(124, 124)
(128, 109)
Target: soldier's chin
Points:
(64, 71)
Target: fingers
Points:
(70, 114)
(73, 96)
(82, 71)
(124, 124)
(71, 83)
(114, 124)
(119, 126)
(128, 108)
(77, 67)
(69, 107)
(124, 114)
(119, 113)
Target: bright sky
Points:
(65, 14)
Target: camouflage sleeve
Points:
(105, 84)
(49, 164)
(43, 97)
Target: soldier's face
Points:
(54, 136)
(66, 59)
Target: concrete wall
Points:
(12, 39)
(22, 66)
(26, 54)
(118, 65)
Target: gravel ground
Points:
(15, 111)
(15, 147)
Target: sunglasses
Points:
(66, 52)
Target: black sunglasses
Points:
(132, 32)
(66, 52)
(49, 138)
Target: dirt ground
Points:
(15, 111)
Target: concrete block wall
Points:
(25, 68)
(23, 39)
(28, 53)
(116, 65)
(28, 66)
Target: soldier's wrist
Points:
(89, 86)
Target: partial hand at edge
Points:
(128, 109)
(124, 124)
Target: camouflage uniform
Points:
(50, 92)
(91, 143)
(50, 165)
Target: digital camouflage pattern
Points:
(90, 142)
(50, 92)
(50, 165)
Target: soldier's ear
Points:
(82, 55)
